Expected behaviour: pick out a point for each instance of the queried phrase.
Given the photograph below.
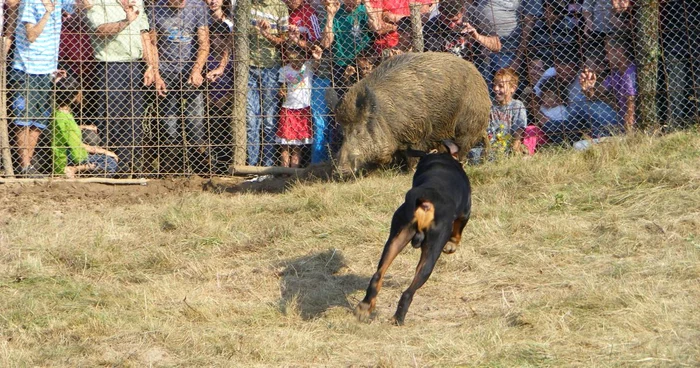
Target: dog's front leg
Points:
(430, 252)
(393, 247)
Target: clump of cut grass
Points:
(570, 259)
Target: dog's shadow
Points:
(315, 283)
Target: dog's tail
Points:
(420, 208)
(423, 218)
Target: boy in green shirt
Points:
(70, 154)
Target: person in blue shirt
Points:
(37, 37)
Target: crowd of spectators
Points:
(159, 74)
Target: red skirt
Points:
(295, 126)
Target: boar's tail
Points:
(423, 218)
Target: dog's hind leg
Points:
(393, 247)
(430, 252)
(457, 229)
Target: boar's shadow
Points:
(316, 283)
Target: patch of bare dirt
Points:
(32, 197)
(42, 195)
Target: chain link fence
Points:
(118, 88)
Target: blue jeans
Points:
(262, 110)
(182, 100)
(103, 163)
(320, 112)
(120, 110)
(590, 117)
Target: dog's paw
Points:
(396, 321)
(362, 312)
(450, 247)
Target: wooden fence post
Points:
(416, 27)
(241, 65)
(648, 56)
(4, 131)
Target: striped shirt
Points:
(304, 18)
(263, 53)
(40, 56)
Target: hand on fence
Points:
(215, 74)
(130, 9)
(262, 26)
(587, 79)
(350, 72)
(58, 75)
(161, 88)
(196, 78)
(83, 4)
(316, 52)
(620, 5)
(331, 7)
(470, 30)
(49, 5)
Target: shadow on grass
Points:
(315, 283)
(275, 184)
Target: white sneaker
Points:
(264, 177)
(582, 145)
(259, 178)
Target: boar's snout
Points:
(348, 162)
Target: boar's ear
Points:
(332, 99)
(452, 148)
(366, 101)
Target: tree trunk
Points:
(648, 51)
(241, 64)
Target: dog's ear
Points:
(414, 153)
(452, 148)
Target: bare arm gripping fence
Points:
(153, 88)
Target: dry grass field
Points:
(584, 259)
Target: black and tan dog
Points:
(433, 217)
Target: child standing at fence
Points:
(295, 116)
(508, 118)
(71, 154)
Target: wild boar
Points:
(412, 101)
